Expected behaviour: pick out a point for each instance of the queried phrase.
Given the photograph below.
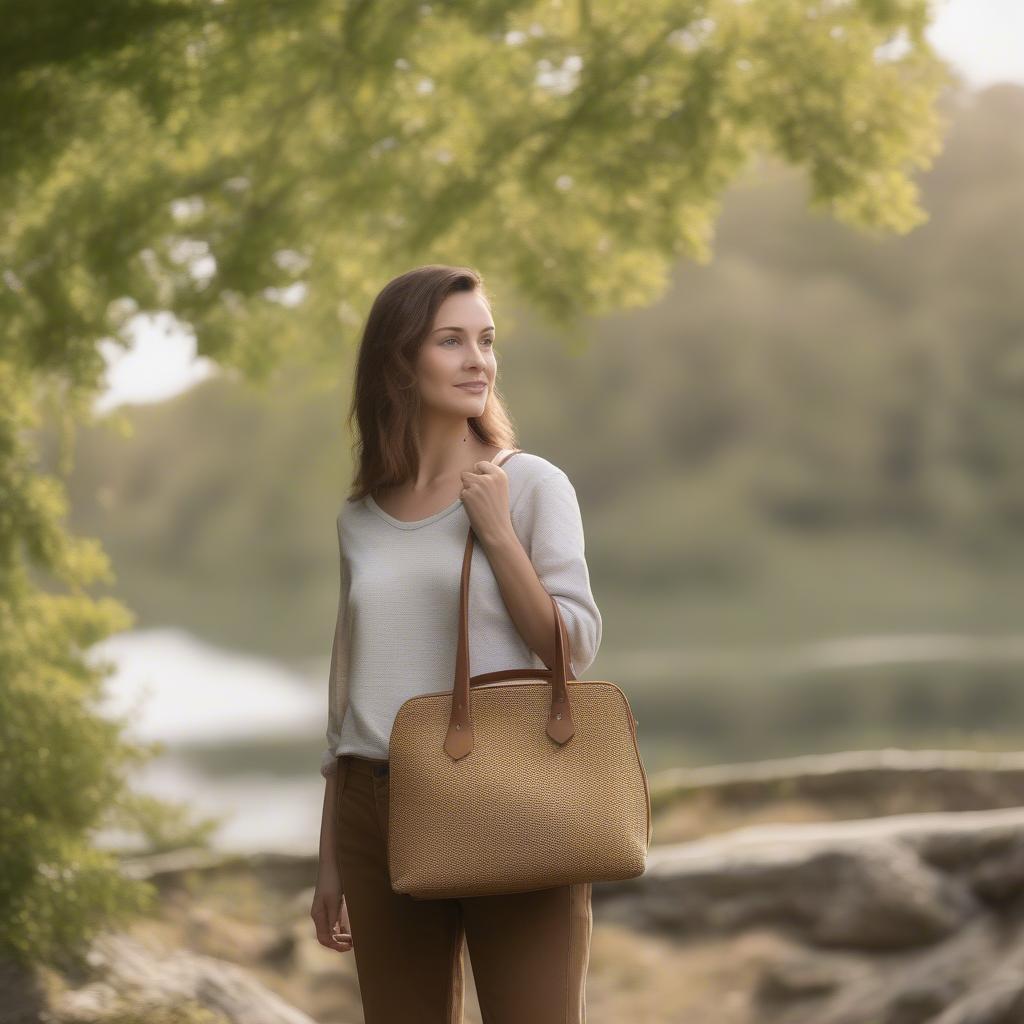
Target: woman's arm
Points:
(328, 837)
(540, 552)
(337, 683)
(329, 911)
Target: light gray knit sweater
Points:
(398, 604)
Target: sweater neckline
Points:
(410, 524)
(415, 524)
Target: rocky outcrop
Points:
(951, 780)
(134, 981)
(905, 919)
(888, 882)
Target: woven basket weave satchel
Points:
(514, 780)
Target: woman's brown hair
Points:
(385, 400)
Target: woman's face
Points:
(459, 349)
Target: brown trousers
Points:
(529, 951)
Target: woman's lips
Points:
(475, 388)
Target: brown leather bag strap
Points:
(459, 738)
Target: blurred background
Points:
(756, 271)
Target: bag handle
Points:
(459, 739)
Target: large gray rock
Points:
(881, 883)
(129, 975)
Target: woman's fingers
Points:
(341, 930)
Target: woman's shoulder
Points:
(352, 509)
(523, 479)
(531, 466)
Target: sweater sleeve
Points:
(338, 678)
(547, 520)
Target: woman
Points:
(432, 429)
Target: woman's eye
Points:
(485, 341)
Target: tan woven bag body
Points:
(514, 780)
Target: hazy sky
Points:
(982, 39)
